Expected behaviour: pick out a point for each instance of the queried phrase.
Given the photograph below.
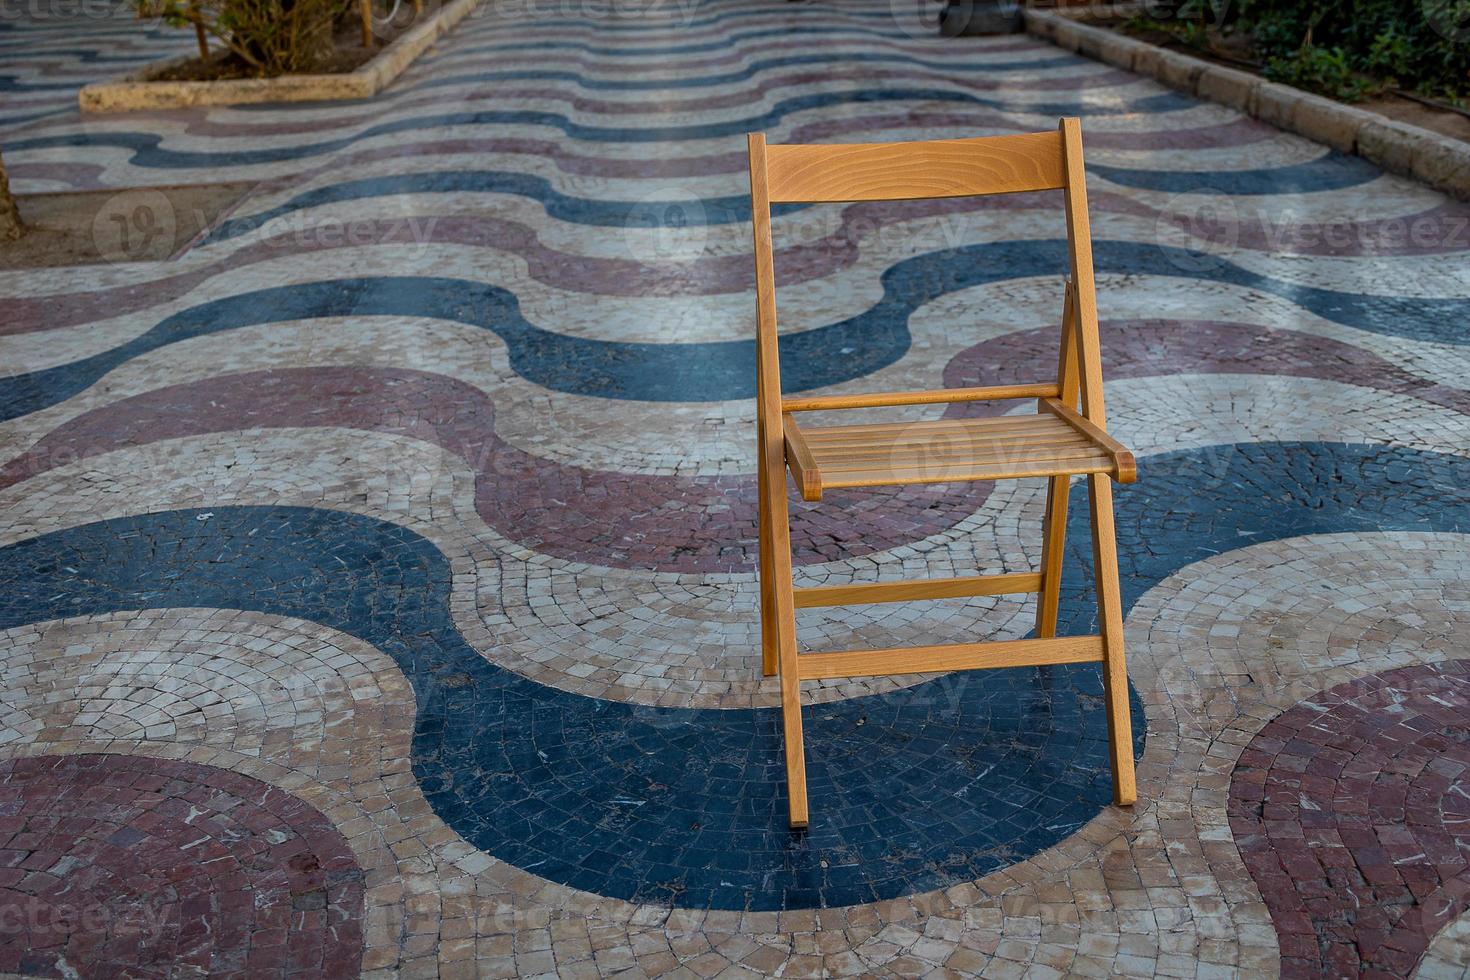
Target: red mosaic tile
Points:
(1374, 860)
(140, 883)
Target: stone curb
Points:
(1439, 161)
(129, 93)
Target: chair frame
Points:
(905, 171)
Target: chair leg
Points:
(768, 606)
(783, 621)
(1053, 542)
(791, 723)
(1110, 618)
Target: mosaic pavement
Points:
(376, 584)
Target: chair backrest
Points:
(934, 169)
(903, 171)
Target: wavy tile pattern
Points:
(660, 805)
(720, 371)
(1351, 813)
(685, 806)
(467, 376)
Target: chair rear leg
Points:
(768, 607)
(1110, 618)
(1053, 542)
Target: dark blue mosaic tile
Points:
(719, 371)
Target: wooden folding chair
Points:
(1056, 442)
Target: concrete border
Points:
(130, 92)
(1439, 161)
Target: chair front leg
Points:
(1110, 619)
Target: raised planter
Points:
(131, 92)
(1440, 161)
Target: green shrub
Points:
(273, 37)
(1318, 69)
(1345, 48)
(1416, 44)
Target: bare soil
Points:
(135, 225)
(347, 54)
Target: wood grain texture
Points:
(949, 450)
(861, 593)
(771, 444)
(940, 396)
(906, 171)
(1125, 467)
(767, 570)
(803, 464)
(1054, 523)
(1099, 486)
(1084, 286)
(770, 641)
(1110, 617)
(956, 656)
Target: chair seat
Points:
(884, 454)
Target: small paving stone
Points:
(121, 864)
(377, 588)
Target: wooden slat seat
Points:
(942, 451)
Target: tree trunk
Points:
(10, 226)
